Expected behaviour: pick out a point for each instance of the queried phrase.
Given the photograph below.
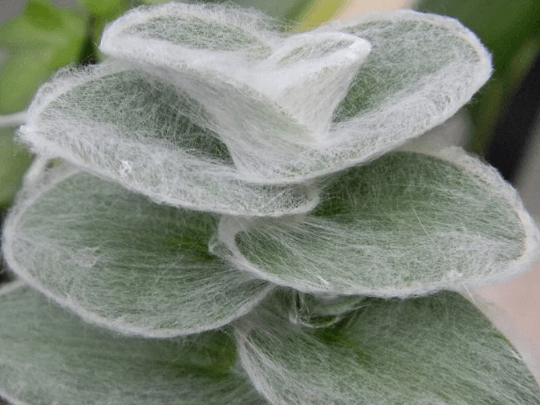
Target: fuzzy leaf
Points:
(432, 350)
(421, 70)
(14, 161)
(121, 261)
(405, 224)
(256, 83)
(284, 105)
(47, 356)
(151, 137)
(230, 44)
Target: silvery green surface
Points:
(48, 356)
(263, 108)
(216, 158)
(127, 125)
(432, 350)
(119, 260)
(405, 224)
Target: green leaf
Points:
(186, 26)
(21, 76)
(105, 8)
(433, 350)
(43, 14)
(121, 261)
(138, 130)
(272, 96)
(421, 70)
(38, 42)
(14, 162)
(405, 224)
(48, 357)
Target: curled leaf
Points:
(405, 224)
(151, 137)
(121, 261)
(284, 109)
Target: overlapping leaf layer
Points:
(223, 200)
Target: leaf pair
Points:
(407, 224)
(208, 108)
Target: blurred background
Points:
(502, 123)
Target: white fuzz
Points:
(406, 224)
(205, 102)
(306, 74)
(213, 158)
(118, 260)
(136, 130)
(435, 350)
(47, 356)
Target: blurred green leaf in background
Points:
(510, 29)
(38, 42)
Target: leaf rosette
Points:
(235, 190)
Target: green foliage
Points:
(109, 368)
(40, 41)
(511, 31)
(419, 351)
(228, 222)
(14, 161)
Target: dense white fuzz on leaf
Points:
(307, 75)
(47, 356)
(151, 137)
(435, 350)
(121, 261)
(405, 224)
(421, 69)
(223, 101)
(283, 105)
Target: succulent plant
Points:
(220, 214)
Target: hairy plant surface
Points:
(218, 215)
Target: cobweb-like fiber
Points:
(128, 126)
(216, 158)
(435, 350)
(121, 261)
(207, 106)
(49, 357)
(405, 224)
